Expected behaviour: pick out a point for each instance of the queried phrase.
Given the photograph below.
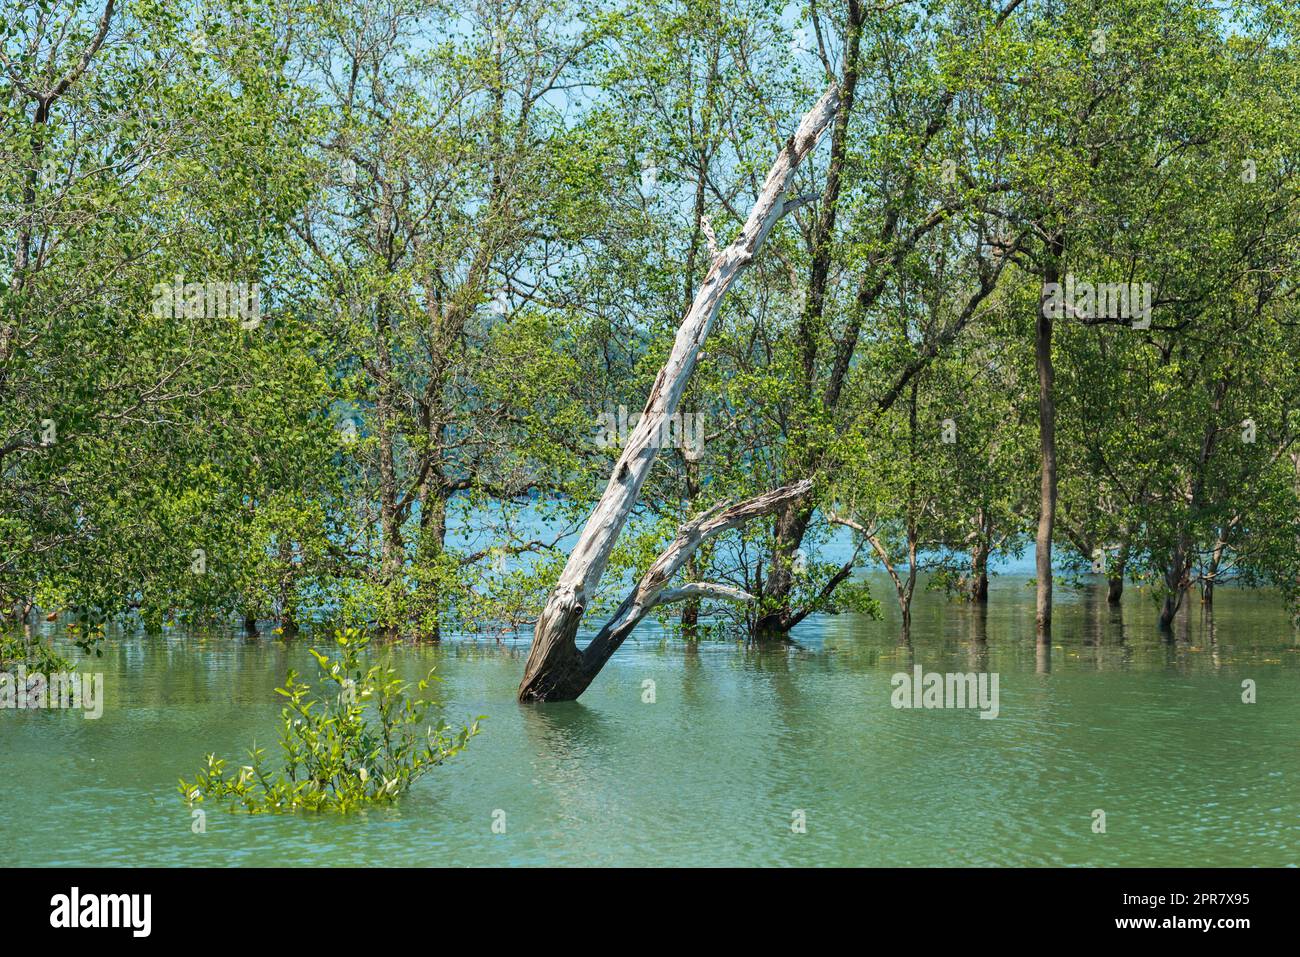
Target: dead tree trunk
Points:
(555, 665)
(652, 590)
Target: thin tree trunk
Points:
(1047, 448)
(902, 589)
(691, 607)
(979, 583)
(1178, 571)
(980, 553)
(1115, 583)
(905, 599)
(792, 522)
(913, 506)
(392, 555)
(1175, 585)
(433, 540)
(1212, 573)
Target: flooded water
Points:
(738, 748)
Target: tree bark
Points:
(905, 600)
(1216, 559)
(792, 521)
(691, 607)
(1176, 583)
(554, 659)
(1047, 449)
(651, 591)
(791, 525)
(433, 541)
(979, 584)
(393, 552)
(1178, 570)
(1115, 583)
(690, 618)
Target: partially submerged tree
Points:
(556, 669)
(912, 157)
(458, 191)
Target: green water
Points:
(1152, 732)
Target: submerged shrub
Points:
(31, 653)
(361, 741)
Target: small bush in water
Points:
(32, 653)
(363, 742)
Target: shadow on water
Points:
(565, 729)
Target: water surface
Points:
(1152, 732)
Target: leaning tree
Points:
(557, 670)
